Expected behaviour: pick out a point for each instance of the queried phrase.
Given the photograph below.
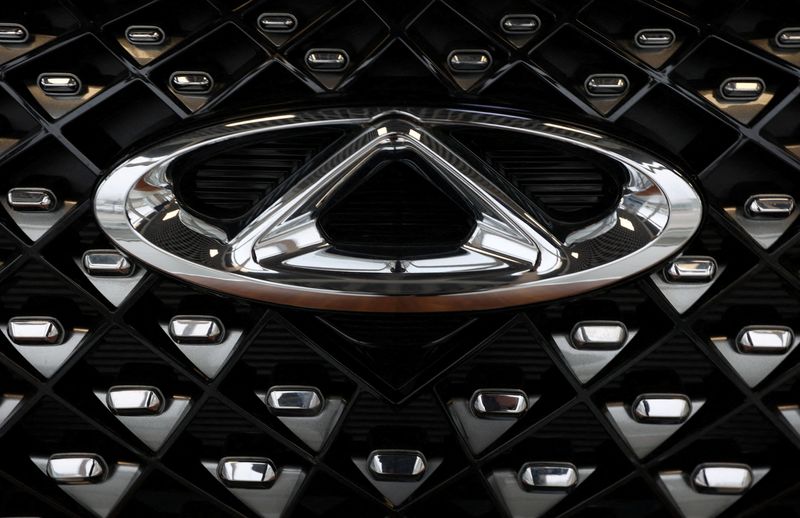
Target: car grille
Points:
(398, 377)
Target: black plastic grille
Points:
(398, 56)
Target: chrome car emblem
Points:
(510, 258)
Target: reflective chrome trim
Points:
(520, 23)
(691, 269)
(135, 400)
(606, 85)
(469, 60)
(106, 263)
(286, 400)
(277, 22)
(186, 329)
(722, 478)
(76, 468)
(764, 340)
(145, 35)
(769, 206)
(661, 408)
(247, 471)
(398, 465)
(13, 33)
(548, 475)
(327, 60)
(32, 199)
(59, 84)
(742, 89)
(510, 260)
(191, 83)
(654, 38)
(35, 331)
(499, 403)
(599, 334)
(788, 38)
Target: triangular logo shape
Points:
(752, 368)
(209, 359)
(396, 492)
(528, 504)
(699, 505)
(313, 430)
(47, 359)
(153, 430)
(101, 497)
(643, 438)
(269, 502)
(585, 364)
(480, 433)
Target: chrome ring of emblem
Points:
(282, 257)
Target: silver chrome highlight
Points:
(654, 38)
(191, 83)
(106, 263)
(722, 478)
(35, 331)
(59, 84)
(548, 475)
(788, 38)
(499, 403)
(327, 60)
(13, 33)
(469, 60)
(691, 269)
(510, 260)
(145, 35)
(247, 472)
(764, 340)
(606, 85)
(76, 468)
(399, 465)
(288, 401)
(32, 199)
(135, 400)
(661, 408)
(769, 206)
(599, 334)
(742, 89)
(520, 23)
(198, 330)
(277, 22)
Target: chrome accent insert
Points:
(191, 83)
(277, 22)
(286, 400)
(788, 38)
(742, 89)
(208, 357)
(76, 468)
(247, 471)
(13, 33)
(646, 427)
(327, 60)
(59, 84)
(499, 403)
(32, 199)
(398, 465)
(511, 259)
(106, 263)
(697, 502)
(691, 269)
(311, 428)
(135, 400)
(606, 85)
(654, 38)
(662, 408)
(548, 475)
(469, 60)
(196, 330)
(764, 340)
(523, 501)
(35, 331)
(585, 364)
(599, 334)
(520, 23)
(481, 430)
(769, 206)
(145, 35)
(722, 478)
